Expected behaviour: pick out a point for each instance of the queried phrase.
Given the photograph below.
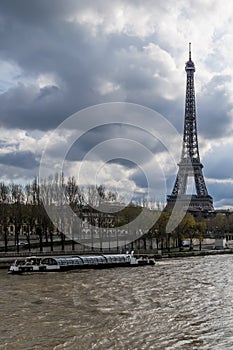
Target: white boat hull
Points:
(55, 264)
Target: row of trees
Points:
(187, 228)
(54, 190)
(24, 205)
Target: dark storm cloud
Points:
(37, 38)
(222, 192)
(139, 178)
(28, 107)
(218, 163)
(151, 182)
(213, 106)
(96, 136)
(25, 160)
(125, 163)
(40, 42)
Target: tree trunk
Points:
(5, 239)
(51, 240)
(62, 241)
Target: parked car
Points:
(185, 244)
(22, 243)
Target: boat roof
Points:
(64, 259)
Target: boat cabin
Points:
(86, 260)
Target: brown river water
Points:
(176, 304)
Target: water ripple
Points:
(177, 304)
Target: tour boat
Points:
(53, 264)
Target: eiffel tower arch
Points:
(190, 165)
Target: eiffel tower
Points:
(190, 165)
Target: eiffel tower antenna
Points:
(190, 165)
(190, 52)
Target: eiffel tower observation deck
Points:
(190, 166)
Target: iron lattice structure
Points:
(190, 165)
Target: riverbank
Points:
(195, 253)
(8, 258)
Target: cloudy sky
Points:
(59, 57)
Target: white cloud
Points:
(119, 18)
(10, 73)
(105, 87)
(44, 80)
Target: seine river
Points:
(176, 304)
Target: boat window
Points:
(77, 261)
(117, 258)
(109, 260)
(69, 261)
(61, 261)
(49, 261)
